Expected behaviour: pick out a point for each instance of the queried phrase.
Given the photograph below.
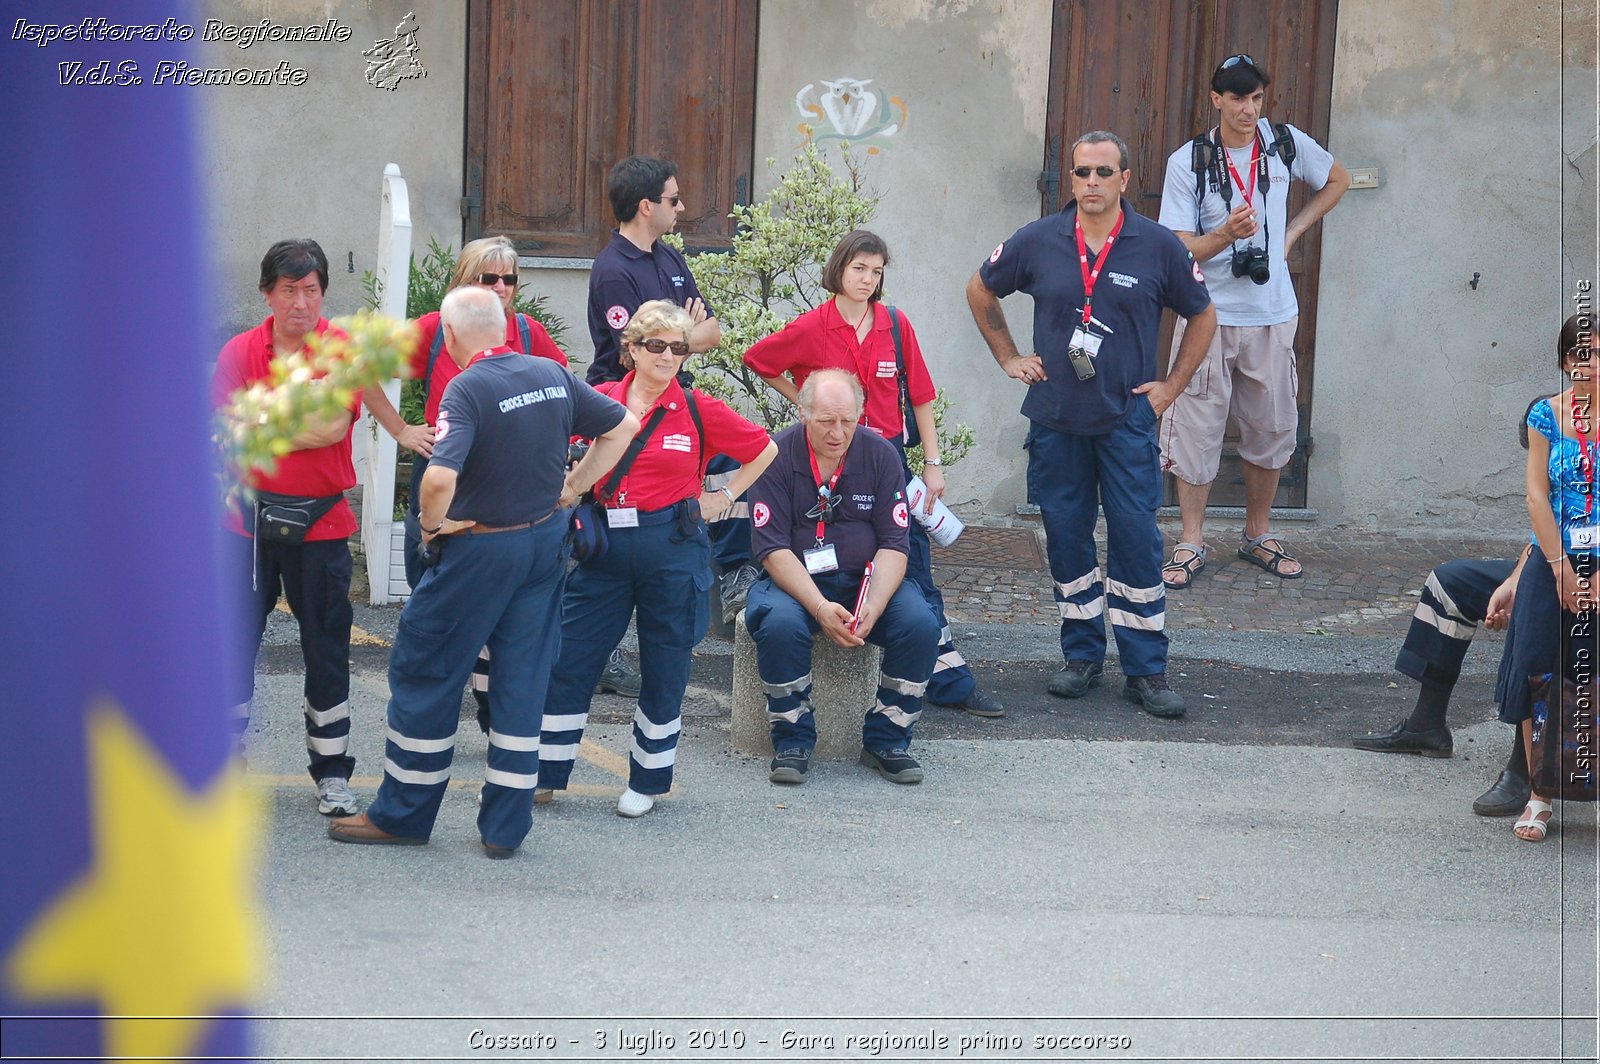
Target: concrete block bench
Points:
(844, 686)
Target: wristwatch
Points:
(933, 462)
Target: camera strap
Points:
(1208, 157)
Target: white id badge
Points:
(1086, 341)
(821, 559)
(623, 517)
(1586, 538)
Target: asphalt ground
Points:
(1240, 884)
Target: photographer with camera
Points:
(1226, 196)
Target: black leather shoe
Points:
(978, 704)
(1154, 695)
(894, 764)
(619, 678)
(790, 766)
(1435, 742)
(1075, 680)
(1506, 798)
(498, 853)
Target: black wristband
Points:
(432, 531)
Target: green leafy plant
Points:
(773, 273)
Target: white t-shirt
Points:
(1239, 300)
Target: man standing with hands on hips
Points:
(1099, 275)
(1226, 196)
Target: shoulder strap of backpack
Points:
(526, 333)
(900, 374)
(433, 356)
(1283, 141)
(699, 429)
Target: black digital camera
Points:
(1250, 261)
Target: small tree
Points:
(773, 274)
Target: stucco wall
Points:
(308, 160)
(954, 181)
(1485, 141)
(1421, 379)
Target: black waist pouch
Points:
(287, 518)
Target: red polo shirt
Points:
(321, 471)
(822, 339)
(445, 368)
(672, 465)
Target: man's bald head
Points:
(473, 320)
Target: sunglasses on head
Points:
(655, 345)
(1085, 171)
(488, 279)
(1234, 60)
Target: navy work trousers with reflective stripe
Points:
(663, 575)
(952, 681)
(502, 590)
(315, 577)
(1455, 599)
(1068, 475)
(783, 631)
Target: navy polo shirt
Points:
(871, 513)
(1148, 269)
(622, 280)
(504, 424)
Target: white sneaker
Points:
(334, 797)
(633, 804)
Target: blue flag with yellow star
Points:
(126, 927)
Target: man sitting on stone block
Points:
(828, 509)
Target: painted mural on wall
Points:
(846, 110)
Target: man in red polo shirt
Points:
(313, 572)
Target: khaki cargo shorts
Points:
(1249, 374)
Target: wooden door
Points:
(558, 91)
(1143, 71)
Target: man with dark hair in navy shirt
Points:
(489, 509)
(634, 268)
(1099, 275)
(829, 506)
(637, 267)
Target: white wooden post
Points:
(382, 537)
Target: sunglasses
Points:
(1085, 171)
(655, 345)
(1234, 60)
(488, 279)
(674, 200)
(827, 502)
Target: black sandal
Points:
(1278, 555)
(1190, 566)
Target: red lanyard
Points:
(1585, 458)
(824, 493)
(1091, 276)
(1255, 160)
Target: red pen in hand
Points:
(861, 599)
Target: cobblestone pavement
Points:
(1356, 582)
